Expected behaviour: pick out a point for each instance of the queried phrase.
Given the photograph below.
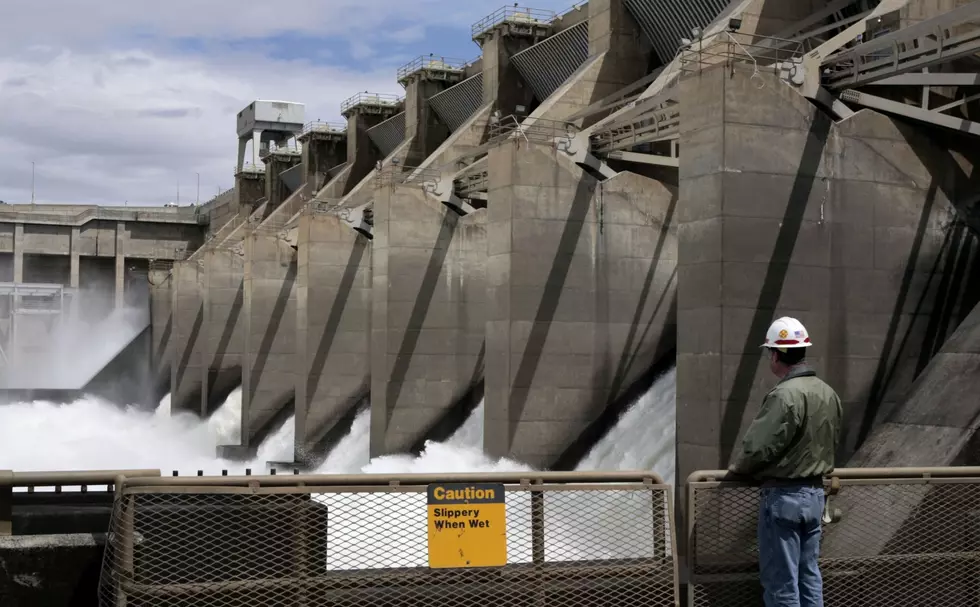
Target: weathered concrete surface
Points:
(268, 315)
(161, 327)
(784, 213)
(187, 321)
(937, 422)
(50, 569)
(580, 294)
(427, 325)
(222, 330)
(333, 318)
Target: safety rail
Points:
(471, 183)
(250, 170)
(395, 175)
(891, 536)
(322, 206)
(728, 48)
(519, 15)
(431, 63)
(648, 128)
(941, 39)
(57, 482)
(190, 214)
(379, 100)
(537, 130)
(319, 126)
(600, 538)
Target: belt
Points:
(803, 481)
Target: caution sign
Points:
(467, 525)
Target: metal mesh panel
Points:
(456, 104)
(569, 545)
(665, 22)
(388, 134)
(549, 63)
(892, 542)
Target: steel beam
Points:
(915, 113)
(930, 79)
(850, 69)
(667, 161)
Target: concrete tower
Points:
(262, 122)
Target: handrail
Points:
(431, 62)
(10, 478)
(326, 480)
(366, 98)
(701, 476)
(517, 14)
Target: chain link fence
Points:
(891, 538)
(600, 539)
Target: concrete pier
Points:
(783, 212)
(581, 282)
(427, 321)
(333, 319)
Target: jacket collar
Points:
(801, 370)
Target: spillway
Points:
(94, 434)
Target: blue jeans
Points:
(789, 545)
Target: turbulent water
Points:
(91, 434)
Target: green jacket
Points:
(796, 431)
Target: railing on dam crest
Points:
(534, 539)
(891, 537)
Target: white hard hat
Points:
(785, 333)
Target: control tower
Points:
(263, 122)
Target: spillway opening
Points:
(613, 413)
(454, 418)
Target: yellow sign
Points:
(467, 525)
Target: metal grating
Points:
(360, 542)
(665, 22)
(891, 538)
(549, 63)
(455, 105)
(389, 134)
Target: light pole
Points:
(32, 182)
(198, 189)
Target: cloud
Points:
(117, 102)
(126, 126)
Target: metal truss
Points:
(921, 55)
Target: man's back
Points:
(816, 410)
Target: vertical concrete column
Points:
(580, 282)
(333, 330)
(422, 128)
(18, 252)
(626, 52)
(120, 290)
(426, 333)
(256, 144)
(75, 257)
(362, 155)
(502, 83)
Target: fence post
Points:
(6, 502)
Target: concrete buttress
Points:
(846, 226)
(427, 328)
(580, 291)
(333, 318)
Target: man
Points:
(789, 448)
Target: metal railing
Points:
(12, 483)
(370, 99)
(430, 63)
(520, 15)
(728, 48)
(338, 128)
(561, 539)
(539, 130)
(395, 175)
(891, 537)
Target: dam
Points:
(547, 268)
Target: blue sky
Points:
(117, 102)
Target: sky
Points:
(121, 102)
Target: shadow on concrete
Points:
(553, 287)
(420, 310)
(333, 319)
(221, 377)
(459, 411)
(620, 396)
(189, 400)
(772, 286)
